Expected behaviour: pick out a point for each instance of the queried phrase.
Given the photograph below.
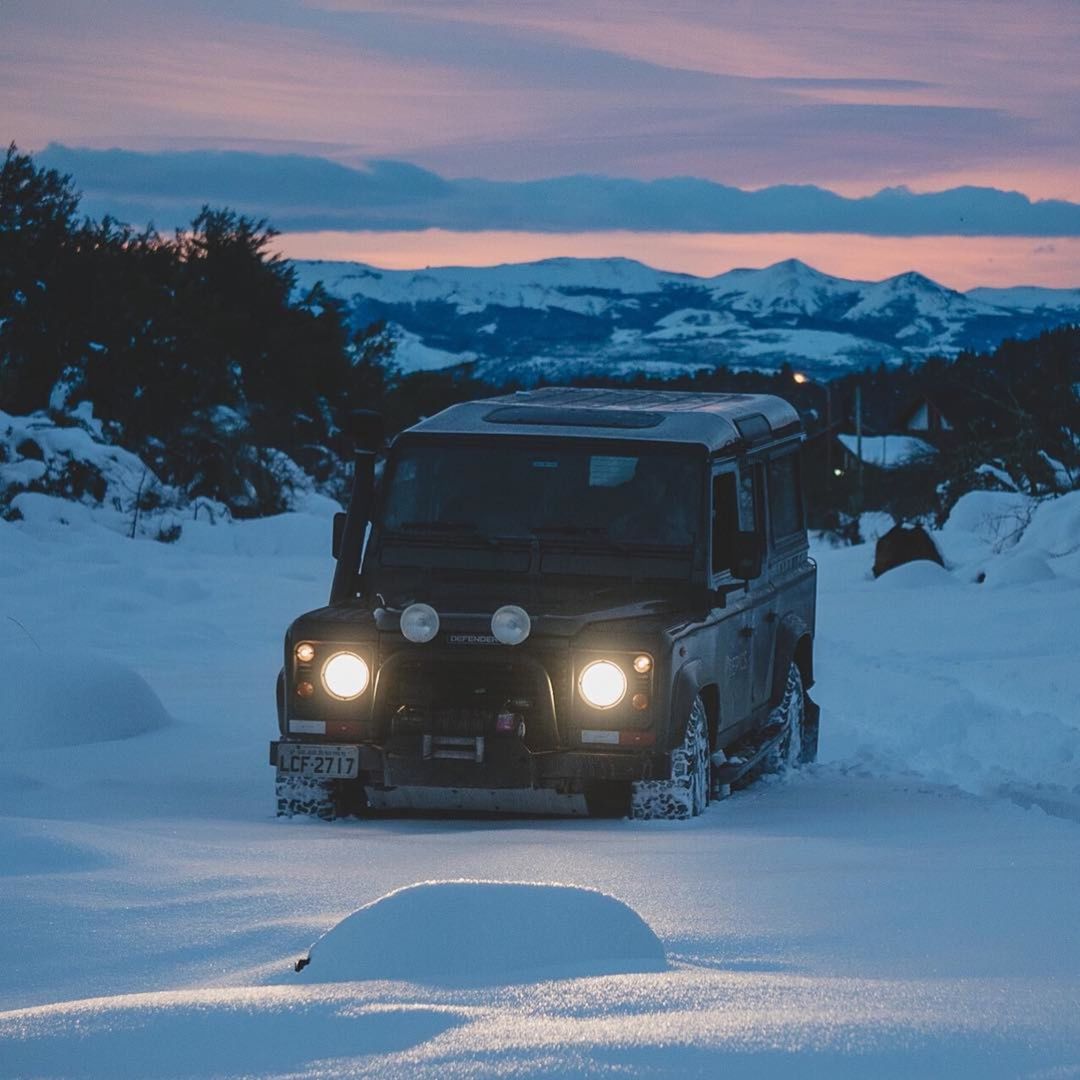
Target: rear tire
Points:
(798, 716)
(686, 793)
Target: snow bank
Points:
(1013, 538)
(264, 1032)
(966, 676)
(66, 473)
(59, 698)
(485, 931)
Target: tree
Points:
(37, 252)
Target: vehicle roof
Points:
(715, 421)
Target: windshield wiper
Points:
(439, 526)
(569, 530)
(461, 529)
(599, 534)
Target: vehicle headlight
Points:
(602, 684)
(345, 676)
(419, 623)
(511, 624)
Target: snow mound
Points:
(70, 699)
(485, 931)
(1025, 568)
(1055, 526)
(915, 575)
(993, 530)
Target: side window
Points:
(785, 498)
(725, 521)
(751, 481)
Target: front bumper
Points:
(503, 763)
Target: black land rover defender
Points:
(562, 600)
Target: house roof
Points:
(716, 421)
(889, 451)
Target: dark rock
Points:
(30, 450)
(904, 544)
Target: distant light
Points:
(800, 378)
(838, 472)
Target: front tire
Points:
(298, 796)
(686, 793)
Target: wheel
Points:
(298, 796)
(798, 717)
(686, 793)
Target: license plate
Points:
(319, 762)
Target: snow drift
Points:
(60, 698)
(485, 931)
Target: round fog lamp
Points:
(345, 676)
(643, 664)
(511, 624)
(419, 623)
(305, 652)
(602, 684)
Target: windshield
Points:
(648, 496)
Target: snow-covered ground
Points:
(907, 907)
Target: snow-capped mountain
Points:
(564, 317)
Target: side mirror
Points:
(339, 534)
(747, 562)
(366, 429)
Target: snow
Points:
(411, 354)
(785, 288)
(82, 442)
(888, 451)
(787, 312)
(485, 931)
(550, 283)
(1028, 298)
(907, 907)
(64, 698)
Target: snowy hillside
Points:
(907, 907)
(566, 317)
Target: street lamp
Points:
(802, 379)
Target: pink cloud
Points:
(849, 95)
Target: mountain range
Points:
(561, 318)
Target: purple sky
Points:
(853, 95)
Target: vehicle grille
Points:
(460, 695)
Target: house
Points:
(924, 417)
(885, 452)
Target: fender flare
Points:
(686, 686)
(279, 696)
(794, 644)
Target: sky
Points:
(851, 97)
